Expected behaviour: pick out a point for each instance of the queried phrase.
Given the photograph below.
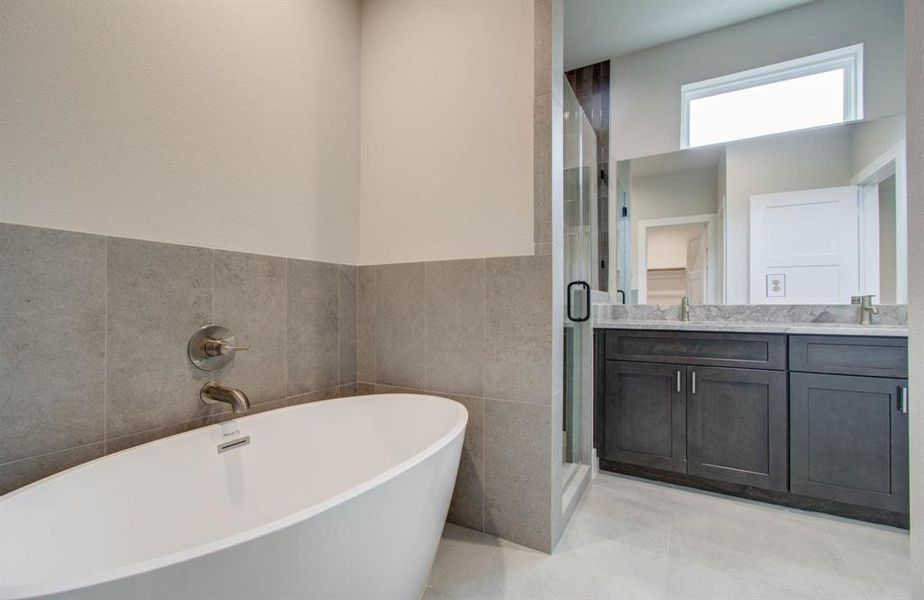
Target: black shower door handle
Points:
(586, 315)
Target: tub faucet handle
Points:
(212, 347)
(222, 348)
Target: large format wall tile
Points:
(313, 330)
(93, 335)
(400, 333)
(23, 472)
(518, 356)
(517, 490)
(366, 324)
(464, 329)
(347, 323)
(456, 327)
(52, 340)
(542, 173)
(158, 295)
(249, 298)
(467, 507)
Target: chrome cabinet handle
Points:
(693, 388)
(903, 399)
(678, 381)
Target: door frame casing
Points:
(891, 162)
(712, 293)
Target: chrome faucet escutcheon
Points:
(212, 347)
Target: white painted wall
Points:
(645, 86)
(672, 194)
(914, 27)
(447, 140)
(224, 124)
(788, 162)
(872, 139)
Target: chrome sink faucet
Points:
(213, 393)
(867, 310)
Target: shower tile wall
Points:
(93, 334)
(477, 331)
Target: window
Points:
(806, 92)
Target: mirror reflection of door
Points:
(676, 263)
(808, 239)
(696, 268)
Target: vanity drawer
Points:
(711, 349)
(849, 355)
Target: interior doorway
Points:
(677, 258)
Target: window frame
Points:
(849, 59)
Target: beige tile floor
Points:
(632, 538)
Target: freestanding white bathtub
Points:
(343, 498)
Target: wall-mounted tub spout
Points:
(212, 393)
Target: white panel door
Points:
(805, 247)
(696, 269)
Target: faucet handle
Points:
(228, 348)
(212, 347)
(222, 347)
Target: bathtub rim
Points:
(16, 592)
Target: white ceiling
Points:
(596, 30)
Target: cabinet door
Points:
(736, 426)
(849, 440)
(644, 415)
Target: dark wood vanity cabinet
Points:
(736, 426)
(690, 407)
(671, 409)
(644, 415)
(849, 439)
(849, 420)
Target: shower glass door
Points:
(581, 273)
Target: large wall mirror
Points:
(813, 216)
(756, 148)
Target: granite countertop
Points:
(806, 319)
(757, 327)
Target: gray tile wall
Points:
(477, 331)
(93, 334)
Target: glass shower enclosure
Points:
(581, 178)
